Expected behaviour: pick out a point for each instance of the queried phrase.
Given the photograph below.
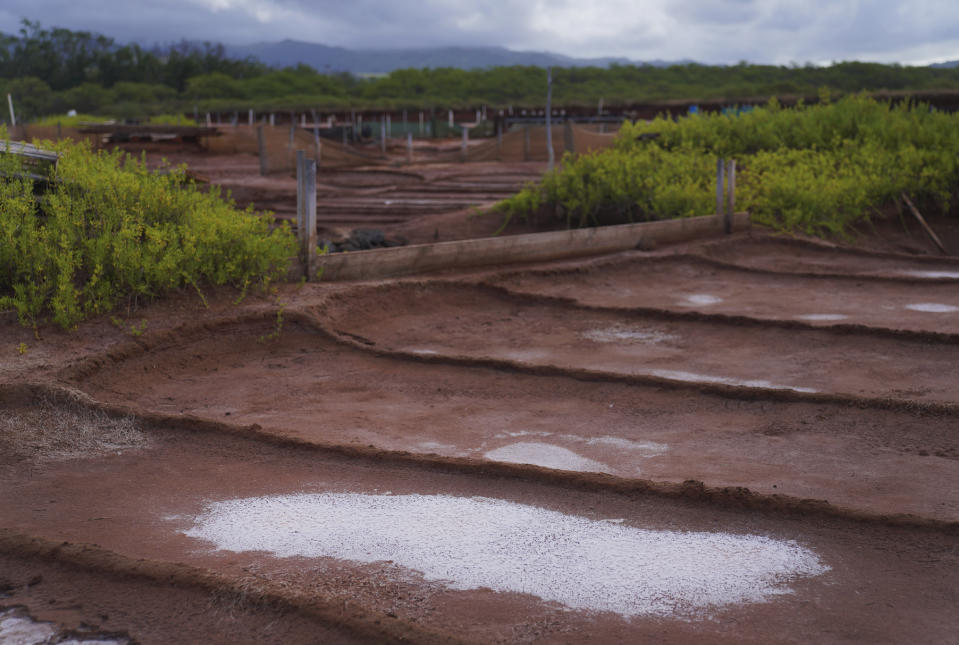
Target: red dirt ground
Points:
(672, 411)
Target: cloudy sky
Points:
(709, 31)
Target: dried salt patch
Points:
(18, 629)
(546, 455)
(931, 274)
(470, 543)
(823, 317)
(426, 352)
(618, 334)
(645, 448)
(932, 308)
(701, 299)
(679, 375)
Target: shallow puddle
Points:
(701, 299)
(692, 377)
(546, 455)
(932, 274)
(620, 334)
(823, 317)
(477, 542)
(932, 308)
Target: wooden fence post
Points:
(466, 136)
(318, 146)
(249, 117)
(261, 148)
(409, 147)
(730, 195)
(301, 199)
(383, 135)
(309, 213)
(549, 117)
(499, 139)
(720, 163)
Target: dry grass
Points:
(54, 430)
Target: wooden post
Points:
(261, 147)
(13, 116)
(466, 136)
(599, 109)
(317, 146)
(925, 225)
(421, 123)
(309, 213)
(383, 135)
(272, 120)
(479, 117)
(730, 195)
(303, 120)
(59, 131)
(526, 143)
(389, 126)
(196, 115)
(569, 139)
(301, 199)
(292, 134)
(209, 120)
(719, 186)
(549, 111)
(249, 117)
(451, 117)
(409, 147)
(499, 139)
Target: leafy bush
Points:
(110, 231)
(815, 169)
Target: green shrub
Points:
(109, 231)
(815, 169)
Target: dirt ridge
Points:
(336, 614)
(693, 491)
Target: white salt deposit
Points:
(725, 380)
(816, 317)
(701, 299)
(19, 629)
(426, 352)
(932, 274)
(620, 334)
(471, 543)
(932, 308)
(645, 448)
(546, 455)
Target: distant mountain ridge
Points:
(323, 58)
(947, 64)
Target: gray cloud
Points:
(724, 31)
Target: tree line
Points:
(49, 71)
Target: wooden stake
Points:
(925, 225)
(409, 147)
(309, 212)
(549, 122)
(730, 195)
(301, 200)
(261, 147)
(719, 186)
